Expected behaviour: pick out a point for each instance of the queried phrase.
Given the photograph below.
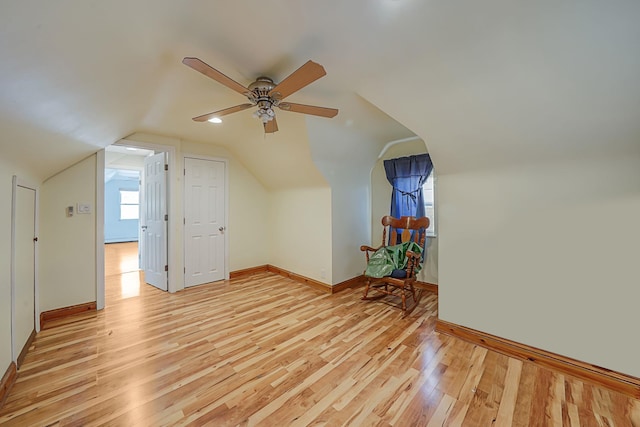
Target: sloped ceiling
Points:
(79, 75)
(473, 79)
(503, 84)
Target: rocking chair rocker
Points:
(398, 281)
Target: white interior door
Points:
(23, 313)
(155, 221)
(204, 221)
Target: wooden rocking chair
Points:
(399, 282)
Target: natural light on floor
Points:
(130, 284)
(122, 270)
(129, 264)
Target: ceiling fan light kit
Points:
(265, 94)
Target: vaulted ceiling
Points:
(471, 78)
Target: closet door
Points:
(204, 219)
(23, 269)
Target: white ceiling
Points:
(471, 78)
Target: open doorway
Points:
(134, 221)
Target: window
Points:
(429, 205)
(129, 204)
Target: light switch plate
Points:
(84, 208)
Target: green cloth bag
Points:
(388, 258)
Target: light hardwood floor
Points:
(265, 350)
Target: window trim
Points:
(432, 230)
(121, 204)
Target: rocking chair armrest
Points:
(366, 249)
(415, 255)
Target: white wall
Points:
(67, 244)
(300, 232)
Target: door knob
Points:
(221, 229)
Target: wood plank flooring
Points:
(265, 350)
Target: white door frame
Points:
(19, 182)
(174, 261)
(100, 230)
(226, 208)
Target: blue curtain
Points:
(406, 175)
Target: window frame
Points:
(430, 203)
(121, 191)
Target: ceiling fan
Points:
(265, 94)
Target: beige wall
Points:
(547, 255)
(350, 196)
(381, 201)
(300, 231)
(67, 244)
(345, 158)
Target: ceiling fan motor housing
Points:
(262, 86)
(260, 89)
(259, 96)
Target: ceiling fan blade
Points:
(216, 75)
(224, 112)
(271, 126)
(309, 109)
(308, 73)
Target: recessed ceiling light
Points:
(131, 149)
(215, 120)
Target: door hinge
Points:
(184, 172)
(184, 221)
(166, 217)
(185, 270)
(166, 268)
(166, 167)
